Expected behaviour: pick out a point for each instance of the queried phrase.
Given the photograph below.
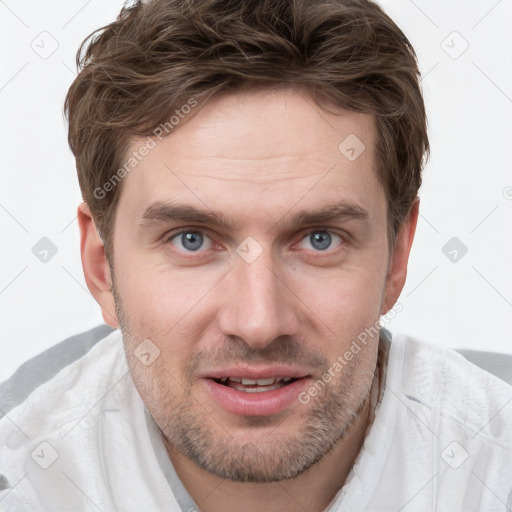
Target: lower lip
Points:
(262, 403)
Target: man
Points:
(250, 172)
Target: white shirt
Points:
(84, 441)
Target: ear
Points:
(397, 268)
(95, 265)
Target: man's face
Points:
(271, 292)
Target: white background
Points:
(466, 192)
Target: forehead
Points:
(254, 149)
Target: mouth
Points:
(252, 392)
(246, 385)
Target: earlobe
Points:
(397, 268)
(95, 265)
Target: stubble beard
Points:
(271, 456)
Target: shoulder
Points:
(79, 426)
(44, 366)
(54, 404)
(445, 382)
(442, 434)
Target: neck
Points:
(312, 490)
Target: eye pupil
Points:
(321, 240)
(192, 240)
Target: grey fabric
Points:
(44, 366)
(493, 362)
(4, 483)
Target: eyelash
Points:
(319, 254)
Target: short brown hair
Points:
(157, 55)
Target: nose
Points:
(258, 305)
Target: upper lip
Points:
(249, 372)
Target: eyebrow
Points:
(160, 212)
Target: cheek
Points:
(155, 296)
(342, 306)
(346, 294)
(163, 307)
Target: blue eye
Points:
(189, 240)
(321, 240)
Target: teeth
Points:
(259, 390)
(265, 382)
(256, 382)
